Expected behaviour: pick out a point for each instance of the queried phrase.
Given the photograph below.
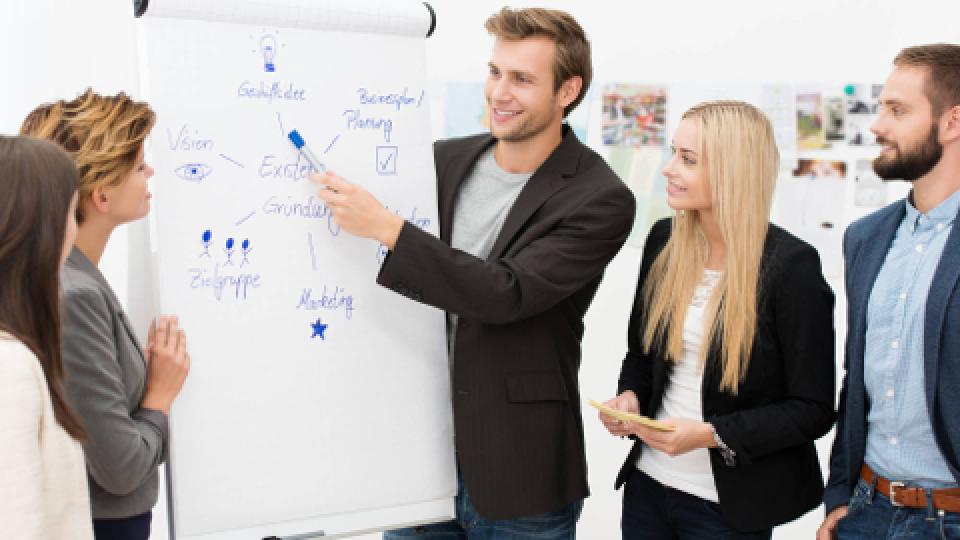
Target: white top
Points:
(43, 491)
(690, 472)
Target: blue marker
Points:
(305, 151)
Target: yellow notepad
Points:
(628, 417)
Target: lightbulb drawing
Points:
(268, 47)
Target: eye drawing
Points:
(193, 172)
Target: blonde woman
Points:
(731, 342)
(121, 392)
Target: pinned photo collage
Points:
(818, 130)
(833, 137)
(633, 133)
(826, 119)
(634, 115)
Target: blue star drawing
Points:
(318, 329)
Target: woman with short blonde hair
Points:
(122, 392)
(730, 344)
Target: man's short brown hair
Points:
(573, 48)
(942, 60)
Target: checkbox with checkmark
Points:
(387, 160)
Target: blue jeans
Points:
(653, 511)
(131, 528)
(469, 525)
(870, 516)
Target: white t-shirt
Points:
(690, 472)
(43, 484)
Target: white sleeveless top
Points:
(690, 472)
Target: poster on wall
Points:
(810, 135)
(634, 115)
(862, 106)
(465, 109)
(641, 169)
(810, 205)
(833, 119)
(777, 102)
(869, 190)
(579, 118)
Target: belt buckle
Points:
(893, 491)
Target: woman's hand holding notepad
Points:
(629, 417)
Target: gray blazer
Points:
(106, 374)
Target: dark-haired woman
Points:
(43, 485)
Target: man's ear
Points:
(569, 90)
(950, 125)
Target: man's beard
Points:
(912, 164)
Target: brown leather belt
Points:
(946, 499)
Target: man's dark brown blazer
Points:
(516, 399)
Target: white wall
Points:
(55, 48)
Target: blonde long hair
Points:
(737, 148)
(103, 135)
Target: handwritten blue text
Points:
(329, 301)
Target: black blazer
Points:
(516, 399)
(785, 401)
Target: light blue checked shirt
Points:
(900, 443)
